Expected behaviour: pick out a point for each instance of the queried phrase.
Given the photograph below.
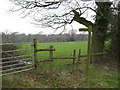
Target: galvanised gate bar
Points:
(16, 60)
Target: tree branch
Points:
(81, 20)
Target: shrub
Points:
(8, 48)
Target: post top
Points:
(89, 29)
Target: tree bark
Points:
(97, 47)
(100, 30)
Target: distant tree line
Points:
(16, 37)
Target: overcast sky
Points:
(12, 22)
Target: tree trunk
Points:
(100, 29)
(97, 46)
(98, 39)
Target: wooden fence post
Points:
(35, 53)
(51, 53)
(74, 54)
(79, 53)
(51, 58)
(89, 29)
(88, 53)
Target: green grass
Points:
(99, 78)
(57, 74)
(62, 49)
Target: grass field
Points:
(64, 49)
(58, 74)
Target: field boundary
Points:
(51, 50)
(33, 57)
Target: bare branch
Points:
(42, 12)
(33, 4)
(81, 19)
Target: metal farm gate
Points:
(16, 60)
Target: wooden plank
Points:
(44, 60)
(45, 50)
(63, 58)
(94, 54)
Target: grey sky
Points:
(13, 23)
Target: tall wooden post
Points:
(35, 53)
(88, 53)
(89, 29)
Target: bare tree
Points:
(55, 14)
(60, 13)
